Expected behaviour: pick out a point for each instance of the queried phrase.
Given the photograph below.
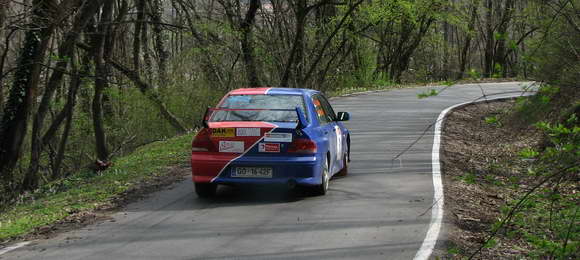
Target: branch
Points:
(145, 88)
(322, 3)
(514, 209)
(148, 91)
(329, 39)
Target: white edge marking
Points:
(437, 209)
(13, 247)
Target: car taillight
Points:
(301, 145)
(202, 142)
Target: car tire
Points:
(345, 161)
(205, 190)
(321, 189)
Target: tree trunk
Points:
(137, 35)
(23, 92)
(463, 57)
(4, 6)
(297, 46)
(381, 65)
(147, 64)
(500, 55)
(489, 40)
(68, 111)
(248, 45)
(405, 51)
(88, 9)
(446, 59)
(99, 41)
(162, 55)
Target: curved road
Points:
(382, 210)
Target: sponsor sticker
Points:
(278, 137)
(248, 132)
(269, 147)
(231, 147)
(338, 142)
(223, 132)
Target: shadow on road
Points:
(253, 195)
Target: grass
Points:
(87, 191)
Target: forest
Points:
(85, 81)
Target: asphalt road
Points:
(381, 210)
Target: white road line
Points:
(13, 247)
(438, 198)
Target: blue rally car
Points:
(270, 136)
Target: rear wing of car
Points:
(301, 117)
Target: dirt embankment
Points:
(480, 164)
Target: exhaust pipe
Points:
(291, 184)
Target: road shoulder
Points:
(480, 160)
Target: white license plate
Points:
(252, 172)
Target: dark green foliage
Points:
(493, 120)
(430, 93)
(556, 52)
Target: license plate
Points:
(252, 172)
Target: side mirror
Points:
(342, 116)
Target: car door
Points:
(340, 132)
(328, 127)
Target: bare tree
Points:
(87, 10)
(23, 91)
(244, 26)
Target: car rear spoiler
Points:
(301, 124)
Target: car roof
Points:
(272, 91)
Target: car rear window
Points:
(259, 102)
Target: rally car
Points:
(270, 136)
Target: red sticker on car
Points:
(269, 147)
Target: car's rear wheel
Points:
(325, 176)
(205, 190)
